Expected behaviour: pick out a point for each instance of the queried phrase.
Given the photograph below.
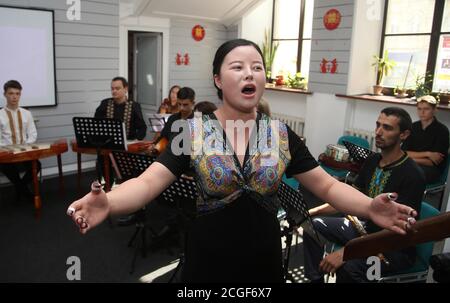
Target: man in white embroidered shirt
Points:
(16, 127)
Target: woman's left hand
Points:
(388, 214)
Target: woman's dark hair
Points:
(405, 122)
(223, 50)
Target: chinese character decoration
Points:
(182, 59)
(198, 33)
(332, 19)
(328, 66)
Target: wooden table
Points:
(134, 147)
(55, 149)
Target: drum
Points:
(337, 152)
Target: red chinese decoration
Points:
(332, 19)
(182, 59)
(198, 33)
(328, 66)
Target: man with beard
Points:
(389, 171)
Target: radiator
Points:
(362, 133)
(295, 123)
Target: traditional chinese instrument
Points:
(362, 231)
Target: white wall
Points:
(256, 21)
(366, 41)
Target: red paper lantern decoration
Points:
(198, 32)
(332, 19)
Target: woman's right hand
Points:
(90, 210)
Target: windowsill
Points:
(388, 99)
(283, 88)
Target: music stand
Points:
(358, 153)
(130, 165)
(184, 189)
(99, 133)
(157, 121)
(297, 213)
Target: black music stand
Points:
(128, 166)
(185, 190)
(157, 121)
(99, 133)
(358, 153)
(294, 205)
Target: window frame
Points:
(435, 35)
(300, 32)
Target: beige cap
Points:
(427, 98)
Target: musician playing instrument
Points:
(389, 171)
(17, 127)
(186, 101)
(120, 107)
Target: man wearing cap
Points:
(429, 140)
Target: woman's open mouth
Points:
(249, 90)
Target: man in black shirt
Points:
(429, 140)
(119, 107)
(186, 101)
(390, 171)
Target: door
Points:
(147, 86)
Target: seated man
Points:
(119, 107)
(186, 101)
(389, 171)
(429, 140)
(16, 127)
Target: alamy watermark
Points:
(73, 273)
(374, 271)
(74, 11)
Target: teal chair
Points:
(439, 186)
(341, 174)
(419, 271)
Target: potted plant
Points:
(402, 92)
(423, 85)
(269, 51)
(297, 81)
(383, 66)
(444, 97)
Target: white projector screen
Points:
(27, 54)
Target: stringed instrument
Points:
(149, 147)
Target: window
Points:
(292, 30)
(416, 34)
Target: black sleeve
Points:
(301, 159)
(139, 123)
(177, 164)
(442, 142)
(167, 129)
(100, 112)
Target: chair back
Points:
(424, 250)
(355, 140)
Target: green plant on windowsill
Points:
(269, 51)
(296, 81)
(423, 85)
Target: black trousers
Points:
(340, 231)
(12, 172)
